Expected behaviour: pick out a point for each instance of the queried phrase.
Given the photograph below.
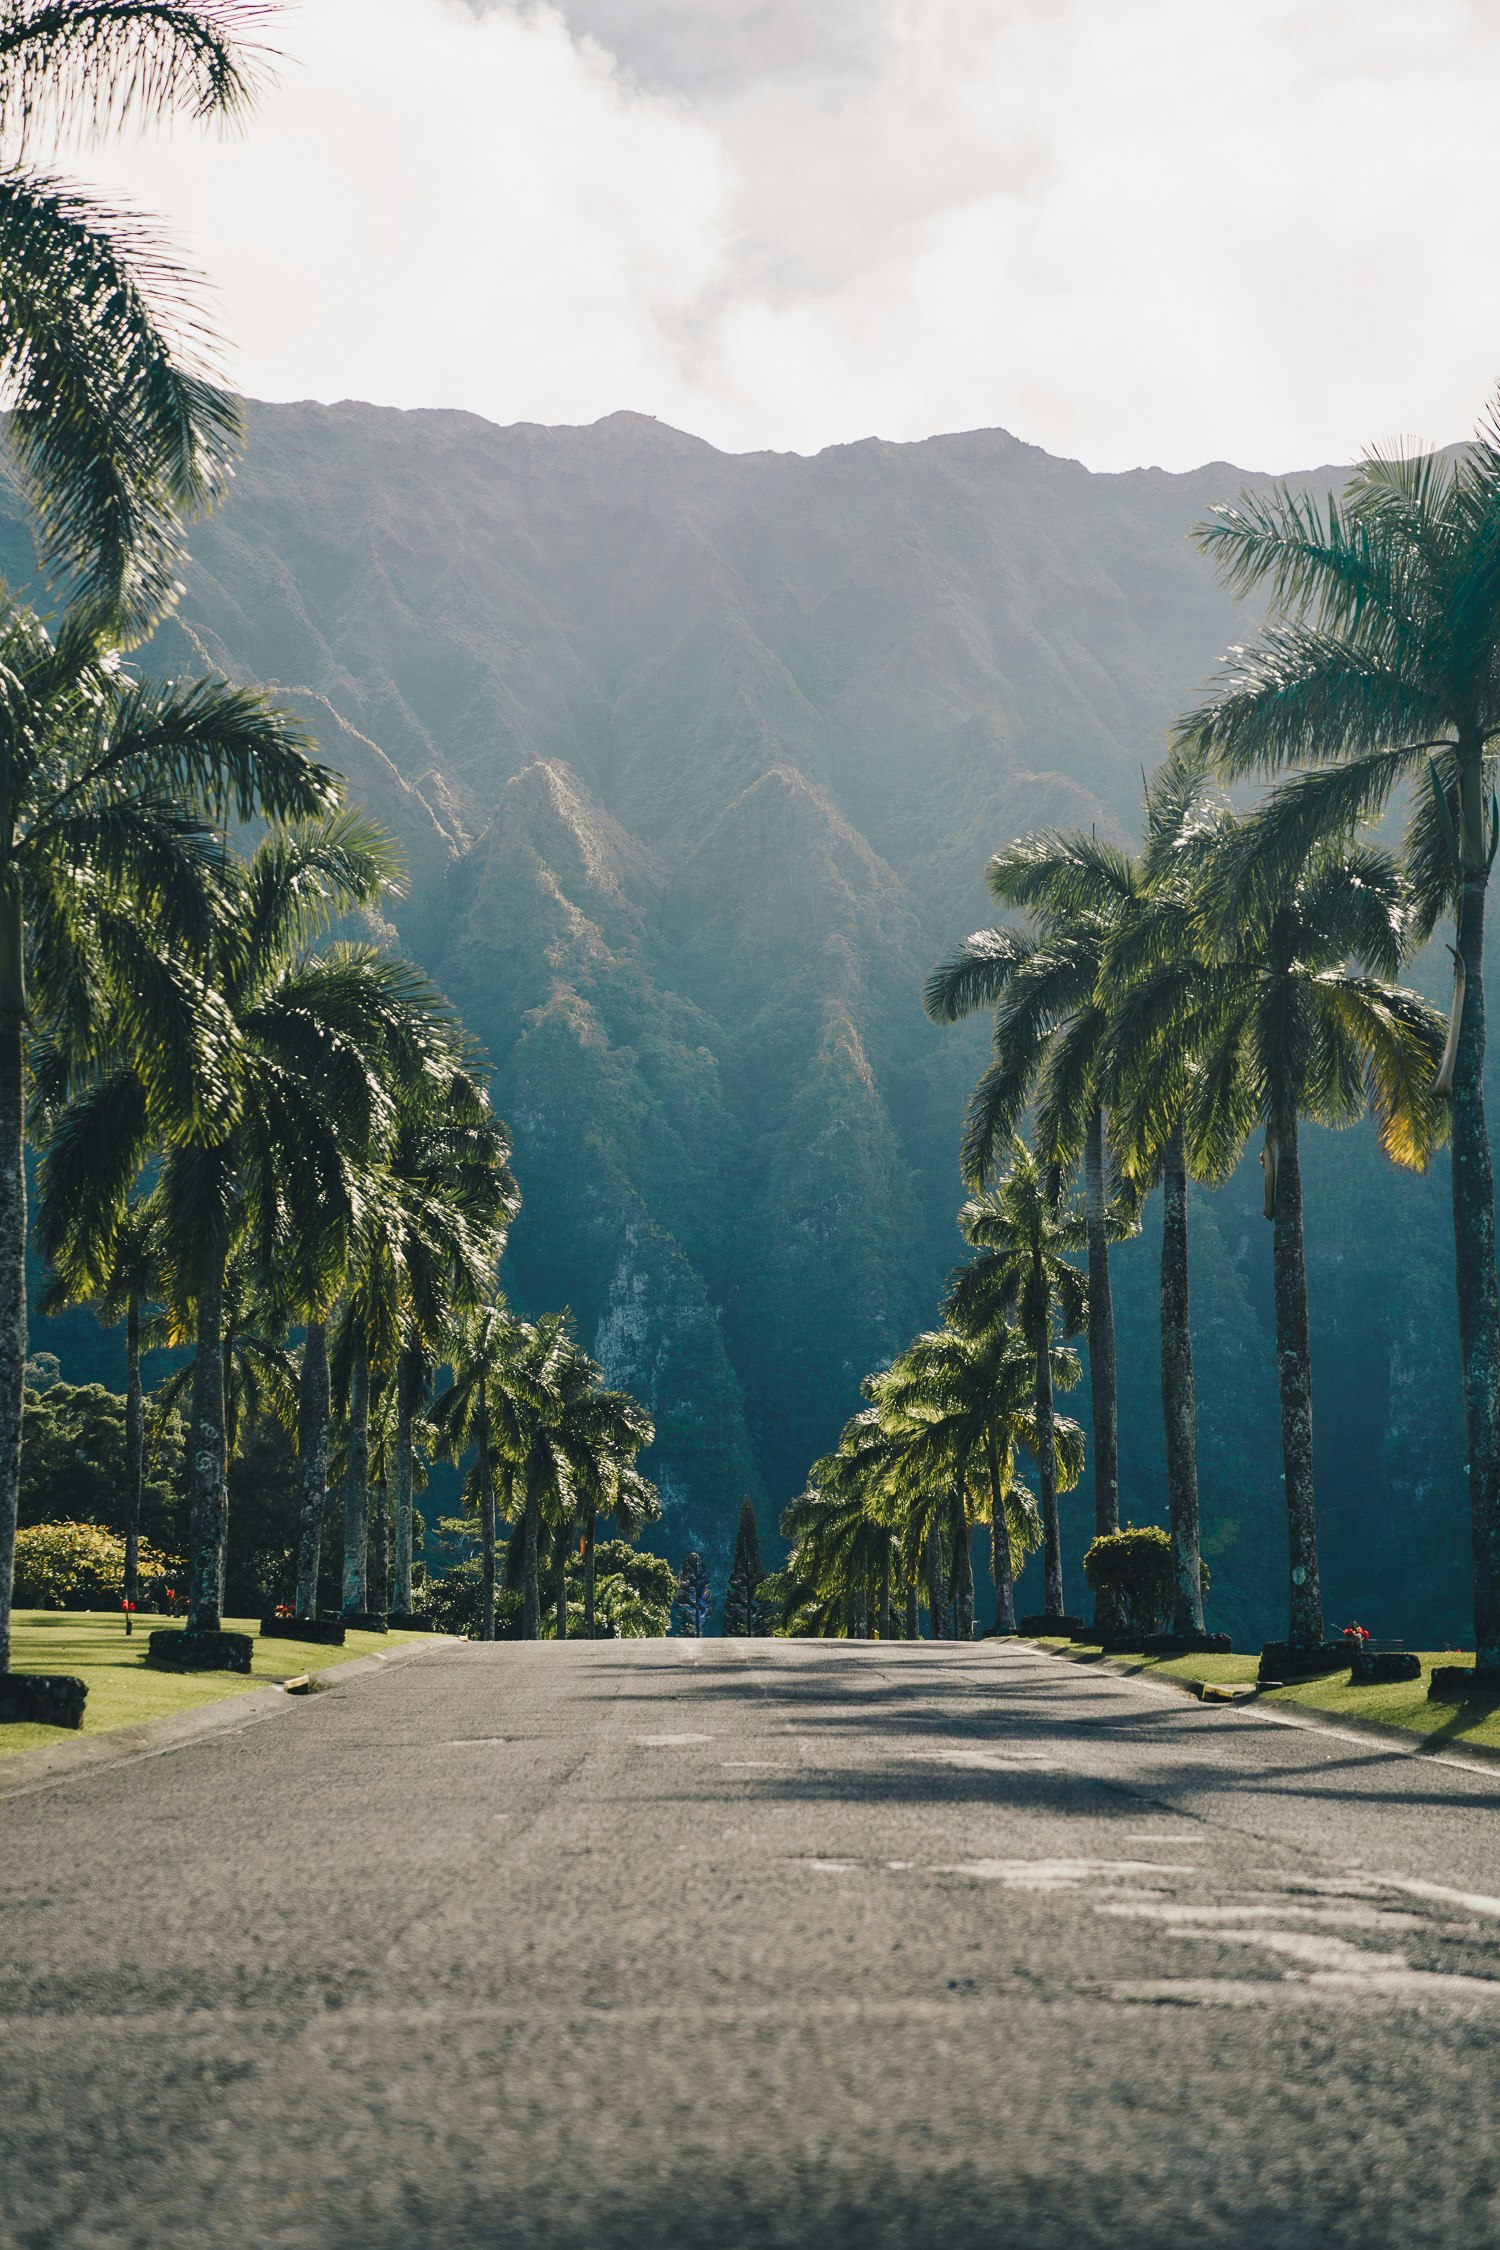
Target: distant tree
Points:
(694, 1600)
(742, 1594)
(1020, 1232)
(75, 1456)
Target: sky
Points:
(1131, 231)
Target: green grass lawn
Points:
(1404, 1705)
(91, 1645)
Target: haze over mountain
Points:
(697, 760)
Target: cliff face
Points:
(697, 760)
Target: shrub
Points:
(82, 1566)
(1136, 1563)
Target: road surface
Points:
(752, 1943)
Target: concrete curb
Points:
(1291, 1714)
(30, 1770)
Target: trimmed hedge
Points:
(327, 1632)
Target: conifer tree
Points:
(742, 1595)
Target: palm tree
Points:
(1050, 1046)
(501, 1384)
(620, 1493)
(435, 1233)
(256, 1372)
(1287, 1029)
(1021, 1233)
(961, 1405)
(120, 1276)
(113, 417)
(1152, 1068)
(306, 1037)
(1379, 671)
(112, 790)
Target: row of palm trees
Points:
(246, 1125)
(1155, 1013)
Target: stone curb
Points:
(30, 1770)
(1296, 1714)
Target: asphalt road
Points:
(755, 1943)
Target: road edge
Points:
(1292, 1713)
(31, 1770)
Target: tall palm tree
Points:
(502, 1386)
(435, 1233)
(256, 1371)
(1287, 1029)
(114, 418)
(1380, 671)
(1050, 1046)
(121, 1276)
(300, 1067)
(1021, 1233)
(1152, 1067)
(113, 790)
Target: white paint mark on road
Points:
(1473, 1902)
(473, 1741)
(1060, 1874)
(1189, 1917)
(834, 1866)
(669, 1741)
(734, 1765)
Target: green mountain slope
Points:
(697, 760)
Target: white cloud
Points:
(1135, 230)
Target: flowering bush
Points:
(82, 1566)
(1356, 1633)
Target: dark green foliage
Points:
(73, 1464)
(633, 1596)
(1136, 1564)
(694, 1597)
(742, 1603)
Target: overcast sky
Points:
(1129, 230)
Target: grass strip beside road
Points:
(1403, 1704)
(124, 1691)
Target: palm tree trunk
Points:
(1179, 1404)
(312, 1444)
(406, 1384)
(380, 1546)
(135, 1447)
(560, 1556)
(1005, 1591)
(531, 1597)
(206, 1441)
(357, 1482)
(1103, 1387)
(487, 1535)
(588, 1574)
(1474, 1247)
(885, 1593)
(935, 1589)
(963, 1572)
(13, 1235)
(913, 1619)
(1294, 1373)
(1055, 1603)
